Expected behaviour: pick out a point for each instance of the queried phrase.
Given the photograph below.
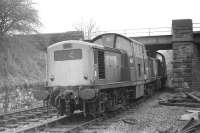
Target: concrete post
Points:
(183, 48)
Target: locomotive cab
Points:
(69, 64)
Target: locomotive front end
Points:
(68, 70)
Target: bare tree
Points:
(18, 16)
(87, 27)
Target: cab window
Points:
(72, 54)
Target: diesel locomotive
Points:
(102, 74)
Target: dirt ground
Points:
(150, 117)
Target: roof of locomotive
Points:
(116, 34)
(94, 45)
(76, 41)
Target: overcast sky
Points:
(61, 15)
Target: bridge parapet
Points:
(154, 43)
(162, 42)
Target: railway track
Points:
(94, 125)
(11, 122)
(21, 110)
(76, 123)
(105, 122)
(43, 121)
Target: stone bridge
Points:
(186, 52)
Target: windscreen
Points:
(72, 54)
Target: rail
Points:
(26, 119)
(69, 124)
(22, 110)
(145, 31)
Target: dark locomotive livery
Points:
(101, 75)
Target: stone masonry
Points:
(185, 55)
(182, 43)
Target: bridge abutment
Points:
(196, 67)
(185, 53)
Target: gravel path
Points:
(150, 118)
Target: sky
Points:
(61, 15)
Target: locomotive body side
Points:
(135, 70)
(135, 52)
(107, 65)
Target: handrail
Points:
(144, 31)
